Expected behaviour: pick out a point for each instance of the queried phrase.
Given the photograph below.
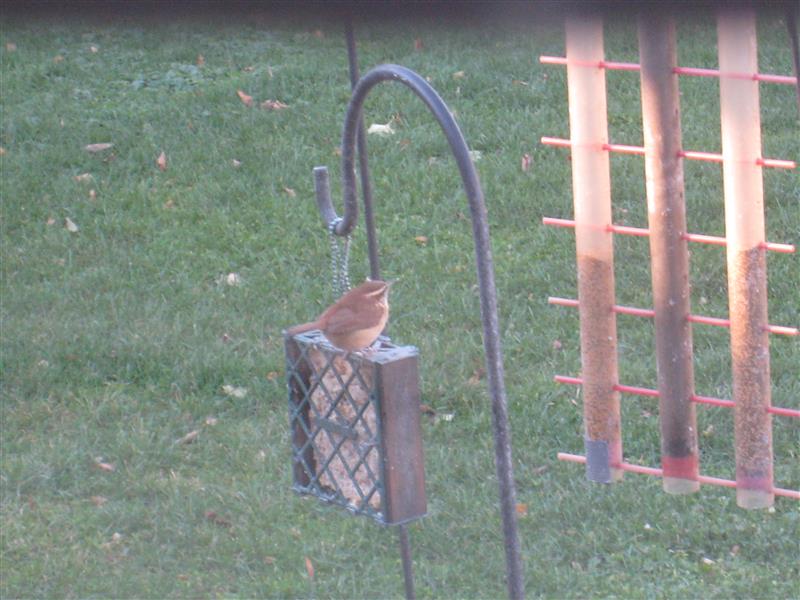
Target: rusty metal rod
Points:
(691, 154)
(704, 479)
(689, 237)
(697, 72)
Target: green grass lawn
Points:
(118, 339)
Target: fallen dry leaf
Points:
(273, 105)
(94, 49)
(427, 410)
(234, 391)
(526, 162)
(211, 421)
(381, 130)
(217, 520)
(522, 509)
(477, 375)
(11, 47)
(92, 195)
(70, 225)
(189, 437)
(98, 147)
(309, 568)
(200, 60)
(459, 75)
(269, 560)
(236, 163)
(161, 161)
(2, 151)
(418, 45)
(475, 155)
(58, 58)
(557, 345)
(272, 376)
(51, 221)
(421, 240)
(83, 177)
(233, 279)
(98, 500)
(290, 192)
(246, 100)
(104, 466)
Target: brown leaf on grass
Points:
(522, 509)
(527, 160)
(217, 519)
(273, 105)
(477, 375)
(70, 225)
(2, 151)
(189, 437)
(83, 177)
(290, 192)
(161, 161)
(11, 47)
(427, 410)
(104, 466)
(51, 221)
(540, 470)
(557, 345)
(98, 500)
(236, 163)
(272, 376)
(246, 100)
(92, 195)
(421, 240)
(58, 58)
(211, 421)
(459, 75)
(418, 45)
(319, 34)
(309, 568)
(94, 49)
(200, 60)
(94, 148)
(269, 560)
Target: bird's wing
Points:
(342, 320)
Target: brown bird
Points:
(356, 319)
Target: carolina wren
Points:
(356, 319)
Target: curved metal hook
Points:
(485, 269)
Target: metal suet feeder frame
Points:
(355, 427)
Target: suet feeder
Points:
(355, 427)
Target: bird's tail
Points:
(302, 328)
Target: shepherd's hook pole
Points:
(485, 270)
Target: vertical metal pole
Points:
(669, 255)
(747, 268)
(363, 161)
(408, 566)
(374, 263)
(591, 182)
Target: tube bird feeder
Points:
(669, 255)
(747, 269)
(591, 182)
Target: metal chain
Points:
(340, 260)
